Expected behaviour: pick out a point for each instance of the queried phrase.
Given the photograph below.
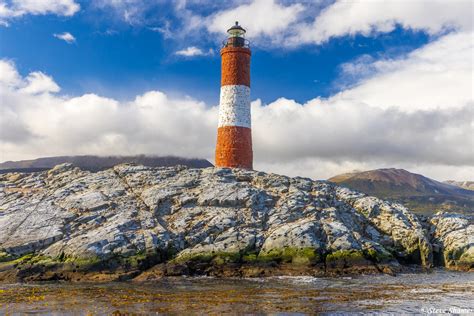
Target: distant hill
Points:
(419, 193)
(468, 185)
(98, 163)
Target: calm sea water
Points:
(438, 291)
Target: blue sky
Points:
(120, 60)
(336, 85)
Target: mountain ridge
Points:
(468, 185)
(96, 163)
(415, 191)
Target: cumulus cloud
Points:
(17, 8)
(287, 24)
(294, 24)
(9, 75)
(52, 124)
(38, 82)
(66, 36)
(35, 83)
(269, 22)
(356, 132)
(192, 51)
(438, 75)
(260, 17)
(368, 17)
(414, 112)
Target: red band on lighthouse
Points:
(234, 147)
(235, 66)
(234, 135)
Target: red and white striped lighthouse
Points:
(234, 134)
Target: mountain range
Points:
(468, 185)
(98, 163)
(419, 193)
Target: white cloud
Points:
(259, 17)
(269, 22)
(59, 7)
(50, 124)
(9, 76)
(66, 36)
(37, 82)
(438, 75)
(340, 133)
(17, 8)
(294, 24)
(368, 17)
(192, 51)
(416, 112)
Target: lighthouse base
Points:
(234, 147)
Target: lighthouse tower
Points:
(234, 135)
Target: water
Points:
(408, 293)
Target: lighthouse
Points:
(234, 134)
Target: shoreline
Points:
(97, 273)
(439, 289)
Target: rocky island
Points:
(141, 223)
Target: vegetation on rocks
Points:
(293, 255)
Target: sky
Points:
(336, 86)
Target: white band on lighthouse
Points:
(234, 108)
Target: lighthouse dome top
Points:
(236, 30)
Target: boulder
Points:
(453, 237)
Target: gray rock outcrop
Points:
(452, 236)
(182, 216)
